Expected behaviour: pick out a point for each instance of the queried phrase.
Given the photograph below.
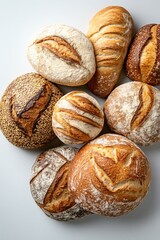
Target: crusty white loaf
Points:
(109, 176)
(77, 118)
(63, 55)
(49, 182)
(110, 32)
(133, 110)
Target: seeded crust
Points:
(26, 109)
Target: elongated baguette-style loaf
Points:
(110, 32)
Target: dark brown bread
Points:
(26, 111)
(110, 32)
(143, 60)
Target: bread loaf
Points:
(77, 118)
(133, 110)
(48, 184)
(109, 176)
(110, 32)
(143, 60)
(26, 111)
(63, 55)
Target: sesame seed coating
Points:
(26, 109)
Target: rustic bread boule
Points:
(110, 175)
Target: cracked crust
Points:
(49, 184)
(109, 176)
(26, 111)
(133, 110)
(63, 55)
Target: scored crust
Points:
(109, 176)
(133, 110)
(63, 55)
(77, 118)
(26, 111)
(110, 32)
(143, 58)
(49, 184)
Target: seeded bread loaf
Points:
(26, 111)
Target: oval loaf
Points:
(143, 60)
(63, 55)
(110, 32)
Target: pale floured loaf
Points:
(110, 32)
(133, 110)
(77, 118)
(63, 55)
(109, 176)
(49, 184)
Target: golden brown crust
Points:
(143, 59)
(146, 99)
(57, 198)
(26, 110)
(60, 48)
(110, 175)
(110, 32)
(77, 118)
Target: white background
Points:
(20, 218)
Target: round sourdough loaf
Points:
(49, 184)
(109, 176)
(63, 55)
(133, 110)
(143, 60)
(26, 111)
(77, 118)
